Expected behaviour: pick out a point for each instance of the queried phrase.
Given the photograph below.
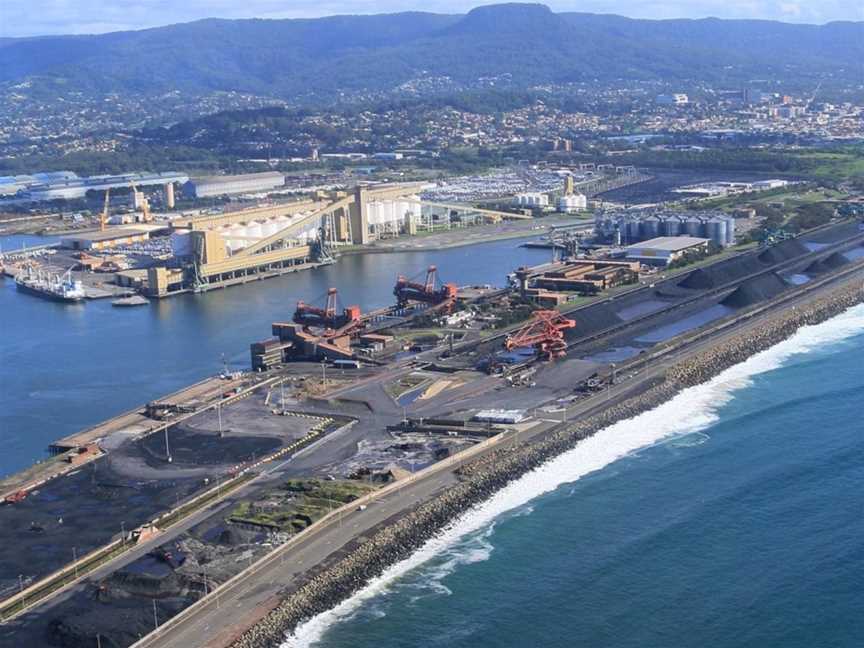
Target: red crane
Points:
(427, 292)
(328, 318)
(544, 332)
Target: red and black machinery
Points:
(333, 322)
(440, 296)
(544, 332)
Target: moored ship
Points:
(48, 285)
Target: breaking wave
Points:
(688, 413)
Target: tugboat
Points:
(50, 285)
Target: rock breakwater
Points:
(483, 477)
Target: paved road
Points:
(229, 613)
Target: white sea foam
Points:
(690, 411)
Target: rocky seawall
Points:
(487, 475)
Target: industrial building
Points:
(664, 250)
(209, 186)
(631, 226)
(677, 99)
(104, 240)
(219, 250)
(65, 185)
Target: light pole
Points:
(167, 448)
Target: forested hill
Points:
(516, 44)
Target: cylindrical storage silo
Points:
(650, 228)
(693, 227)
(730, 231)
(254, 230)
(672, 227)
(634, 231)
(269, 228)
(716, 231)
(235, 235)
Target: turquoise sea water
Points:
(732, 516)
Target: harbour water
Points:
(729, 516)
(64, 367)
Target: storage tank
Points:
(693, 227)
(234, 238)
(650, 228)
(181, 243)
(388, 209)
(672, 227)
(254, 230)
(716, 231)
(403, 208)
(634, 231)
(225, 233)
(372, 212)
(282, 222)
(730, 231)
(270, 227)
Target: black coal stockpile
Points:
(593, 319)
(485, 476)
(721, 273)
(784, 251)
(835, 261)
(755, 291)
(817, 267)
(127, 622)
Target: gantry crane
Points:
(428, 292)
(328, 318)
(544, 332)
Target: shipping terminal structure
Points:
(219, 250)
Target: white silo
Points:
(235, 237)
(374, 212)
(254, 230)
(282, 222)
(270, 227)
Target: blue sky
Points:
(34, 17)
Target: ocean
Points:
(730, 516)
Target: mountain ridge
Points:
(527, 43)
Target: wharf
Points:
(133, 422)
